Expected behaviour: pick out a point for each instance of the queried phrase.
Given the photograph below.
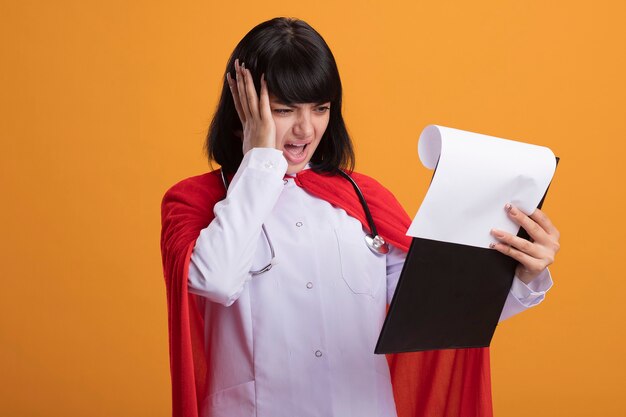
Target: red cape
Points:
(441, 383)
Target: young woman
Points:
(275, 299)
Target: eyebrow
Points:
(277, 101)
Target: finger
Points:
(241, 90)
(233, 90)
(531, 265)
(518, 243)
(535, 231)
(266, 112)
(544, 221)
(253, 101)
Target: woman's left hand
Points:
(533, 256)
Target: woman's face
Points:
(299, 129)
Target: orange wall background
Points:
(104, 105)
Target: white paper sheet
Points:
(476, 176)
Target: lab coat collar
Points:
(307, 166)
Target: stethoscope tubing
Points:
(373, 240)
(366, 209)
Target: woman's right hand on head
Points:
(259, 130)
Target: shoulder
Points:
(370, 185)
(196, 190)
(337, 184)
(210, 179)
(381, 197)
(390, 217)
(365, 179)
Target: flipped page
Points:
(453, 286)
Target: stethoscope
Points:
(373, 240)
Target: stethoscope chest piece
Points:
(377, 244)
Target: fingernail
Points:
(492, 245)
(508, 207)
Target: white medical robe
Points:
(297, 340)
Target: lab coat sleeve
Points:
(222, 257)
(523, 296)
(395, 262)
(519, 298)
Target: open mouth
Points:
(297, 150)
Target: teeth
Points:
(298, 145)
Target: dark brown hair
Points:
(299, 68)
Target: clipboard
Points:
(448, 296)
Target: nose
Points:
(303, 128)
